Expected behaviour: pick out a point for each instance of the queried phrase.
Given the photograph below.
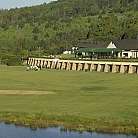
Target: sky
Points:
(7, 4)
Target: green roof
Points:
(102, 50)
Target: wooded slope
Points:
(51, 28)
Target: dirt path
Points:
(24, 92)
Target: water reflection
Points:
(11, 131)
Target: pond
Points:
(12, 131)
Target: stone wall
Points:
(114, 67)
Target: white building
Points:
(67, 52)
(128, 47)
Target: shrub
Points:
(11, 60)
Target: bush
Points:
(11, 60)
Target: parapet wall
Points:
(114, 67)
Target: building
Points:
(70, 50)
(126, 48)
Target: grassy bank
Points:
(79, 100)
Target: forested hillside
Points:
(51, 28)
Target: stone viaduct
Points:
(99, 66)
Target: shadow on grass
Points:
(94, 88)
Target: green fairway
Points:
(81, 95)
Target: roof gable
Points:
(111, 45)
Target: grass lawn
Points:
(82, 97)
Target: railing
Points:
(79, 65)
